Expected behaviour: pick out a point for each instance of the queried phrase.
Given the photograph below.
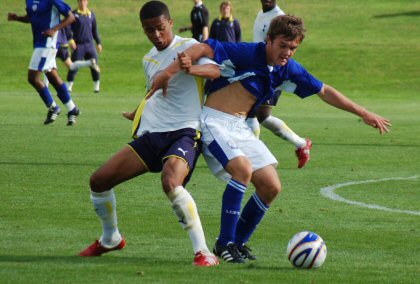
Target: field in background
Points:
(367, 49)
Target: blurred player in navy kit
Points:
(226, 28)
(85, 32)
(199, 22)
(44, 17)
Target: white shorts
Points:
(43, 59)
(226, 137)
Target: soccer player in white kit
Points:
(269, 11)
(168, 141)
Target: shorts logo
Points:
(232, 144)
(34, 7)
(183, 152)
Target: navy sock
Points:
(231, 209)
(46, 96)
(63, 94)
(251, 216)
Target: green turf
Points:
(367, 49)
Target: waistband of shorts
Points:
(223, 115)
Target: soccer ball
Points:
(306, 250)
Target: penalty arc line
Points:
(329, 193)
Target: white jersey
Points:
(181, 108)
(262, 23)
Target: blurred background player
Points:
(63, 53)
(168, 141)
(44, 17)
(269, 11)
(84, 32)
(226, 28)
(199, 22)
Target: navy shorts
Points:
(154, 148)
(63, 53)
(273, 100)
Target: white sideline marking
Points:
(329, 193)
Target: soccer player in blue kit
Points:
(168, 141)
(230, 148)
(44, 17)
(85, 31)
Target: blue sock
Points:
(63, 94)
(46, 96)
(251, 216)
(231, 209)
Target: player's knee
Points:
(270, 192)
(240, 169)
(97, 183)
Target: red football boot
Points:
(96, 249)
(303, 153)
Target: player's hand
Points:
(99, 48)
(49, 33)
(160, 81)
(129, 115)
(12, 17)
(185, 61)
(377, 121)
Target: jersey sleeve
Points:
(296, 79)
(62, 7)
(95, 32)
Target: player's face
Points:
(83, 4)
(159, 31)
(268, 4)
(225, 11)
(280, 50)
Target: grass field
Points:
(367, 49)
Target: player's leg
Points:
(268, 187)
(280, 129)
(176, 172)
(221, 134)
(41, 59)
(91, 54)
(123, 166)
(64, 96)
(78, 54)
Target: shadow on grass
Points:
(400, 14)
(75, 259)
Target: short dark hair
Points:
(289, 26)
(153, 9)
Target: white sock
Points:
(46, 82)
(70, 105)
(279, 128)
(254, 125)
(79, 64)
(186, 210)
(96, 85)
(105, 206)
(70, 86)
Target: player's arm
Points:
(95, 35)
(12, 17)
(161, 79)
(64, 23)
(333, 97)
(208, 70)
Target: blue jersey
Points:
(294, 78)
(43, 15)
(244, 62)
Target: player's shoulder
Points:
(182, 42)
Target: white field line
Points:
(329, 193)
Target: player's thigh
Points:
(123, 166)
(54, 78)
(174, 172)
(267, 183)
(78, 53)
(91, 52)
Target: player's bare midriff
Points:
(233, 99)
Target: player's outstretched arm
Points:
(161, 79)
(333, 97)
(12, 17)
